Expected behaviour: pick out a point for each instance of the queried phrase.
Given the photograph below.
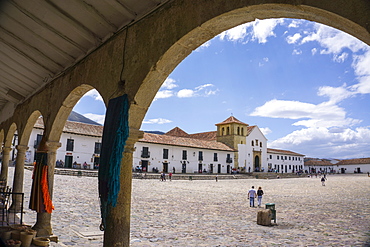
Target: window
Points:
(252, 143)
(270, 156)
(165, 153)
(97, 148)
(289, 159)
(238, 131)
(278, 157)
(200, 155)
(285, 158)
(215, 157)
(242, 131)
(290, 167)
(223, 131)
(145, 152)
(184, 155)
(260, 144)
(228, 159)
(227, 131)
(70, 144)
(37, 141)
(256, 142)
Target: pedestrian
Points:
(251, 195)
(217, 178)
(323, 181)
(170, 176)
(259, 196)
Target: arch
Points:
(232, 15)
(26, 133)
(10, 135)
(227, 131)
(257, 163)
(238, 131)
(69, 102)
(242, 131)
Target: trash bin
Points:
(271, 206)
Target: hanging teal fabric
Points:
(115, 134)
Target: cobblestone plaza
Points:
(210, 213)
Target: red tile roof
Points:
(177, 132)
(185, 142)
(76, 128)
(209, 136)
(279, 151)
(354, 161)
(318, 163)
(231, 119)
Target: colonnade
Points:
(135, 62)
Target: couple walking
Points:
(252, 193)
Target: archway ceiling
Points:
(40, 39)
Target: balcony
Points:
(229, 160)
(145, 154)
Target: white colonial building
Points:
(233, 147)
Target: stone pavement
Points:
(209, 213)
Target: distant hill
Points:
(76, 117)
(154, 132)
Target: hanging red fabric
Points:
(45, 190)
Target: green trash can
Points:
(271, 206)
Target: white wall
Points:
(246, 150)
(83, 147)
(287, 163)
(175, 158)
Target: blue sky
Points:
(305, 85)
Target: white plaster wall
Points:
(175, 158)
(365, 168)
(299, 163)
(83, 147)
(246, 150)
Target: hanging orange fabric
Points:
(45, 191)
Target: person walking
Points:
(251, 195)
(323, 181)
(259, 196)
(170, 176)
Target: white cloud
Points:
(321, 115)
(164, 94)
(237, 33)
(157, 121)
(335, 94)
(333, 40)
(95, 117)
(340, 58)
(94, 94)
(185, 93)
(322, 142)
(293, 39)
(296, 52)
(313, 51)
(265, 131)
(266, 59)
(295, 24)
(262, 29)
(169, 83)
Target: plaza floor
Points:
(210, 213)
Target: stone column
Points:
(119, 216)
(43, 221)
(18, 180)
(5, 163)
